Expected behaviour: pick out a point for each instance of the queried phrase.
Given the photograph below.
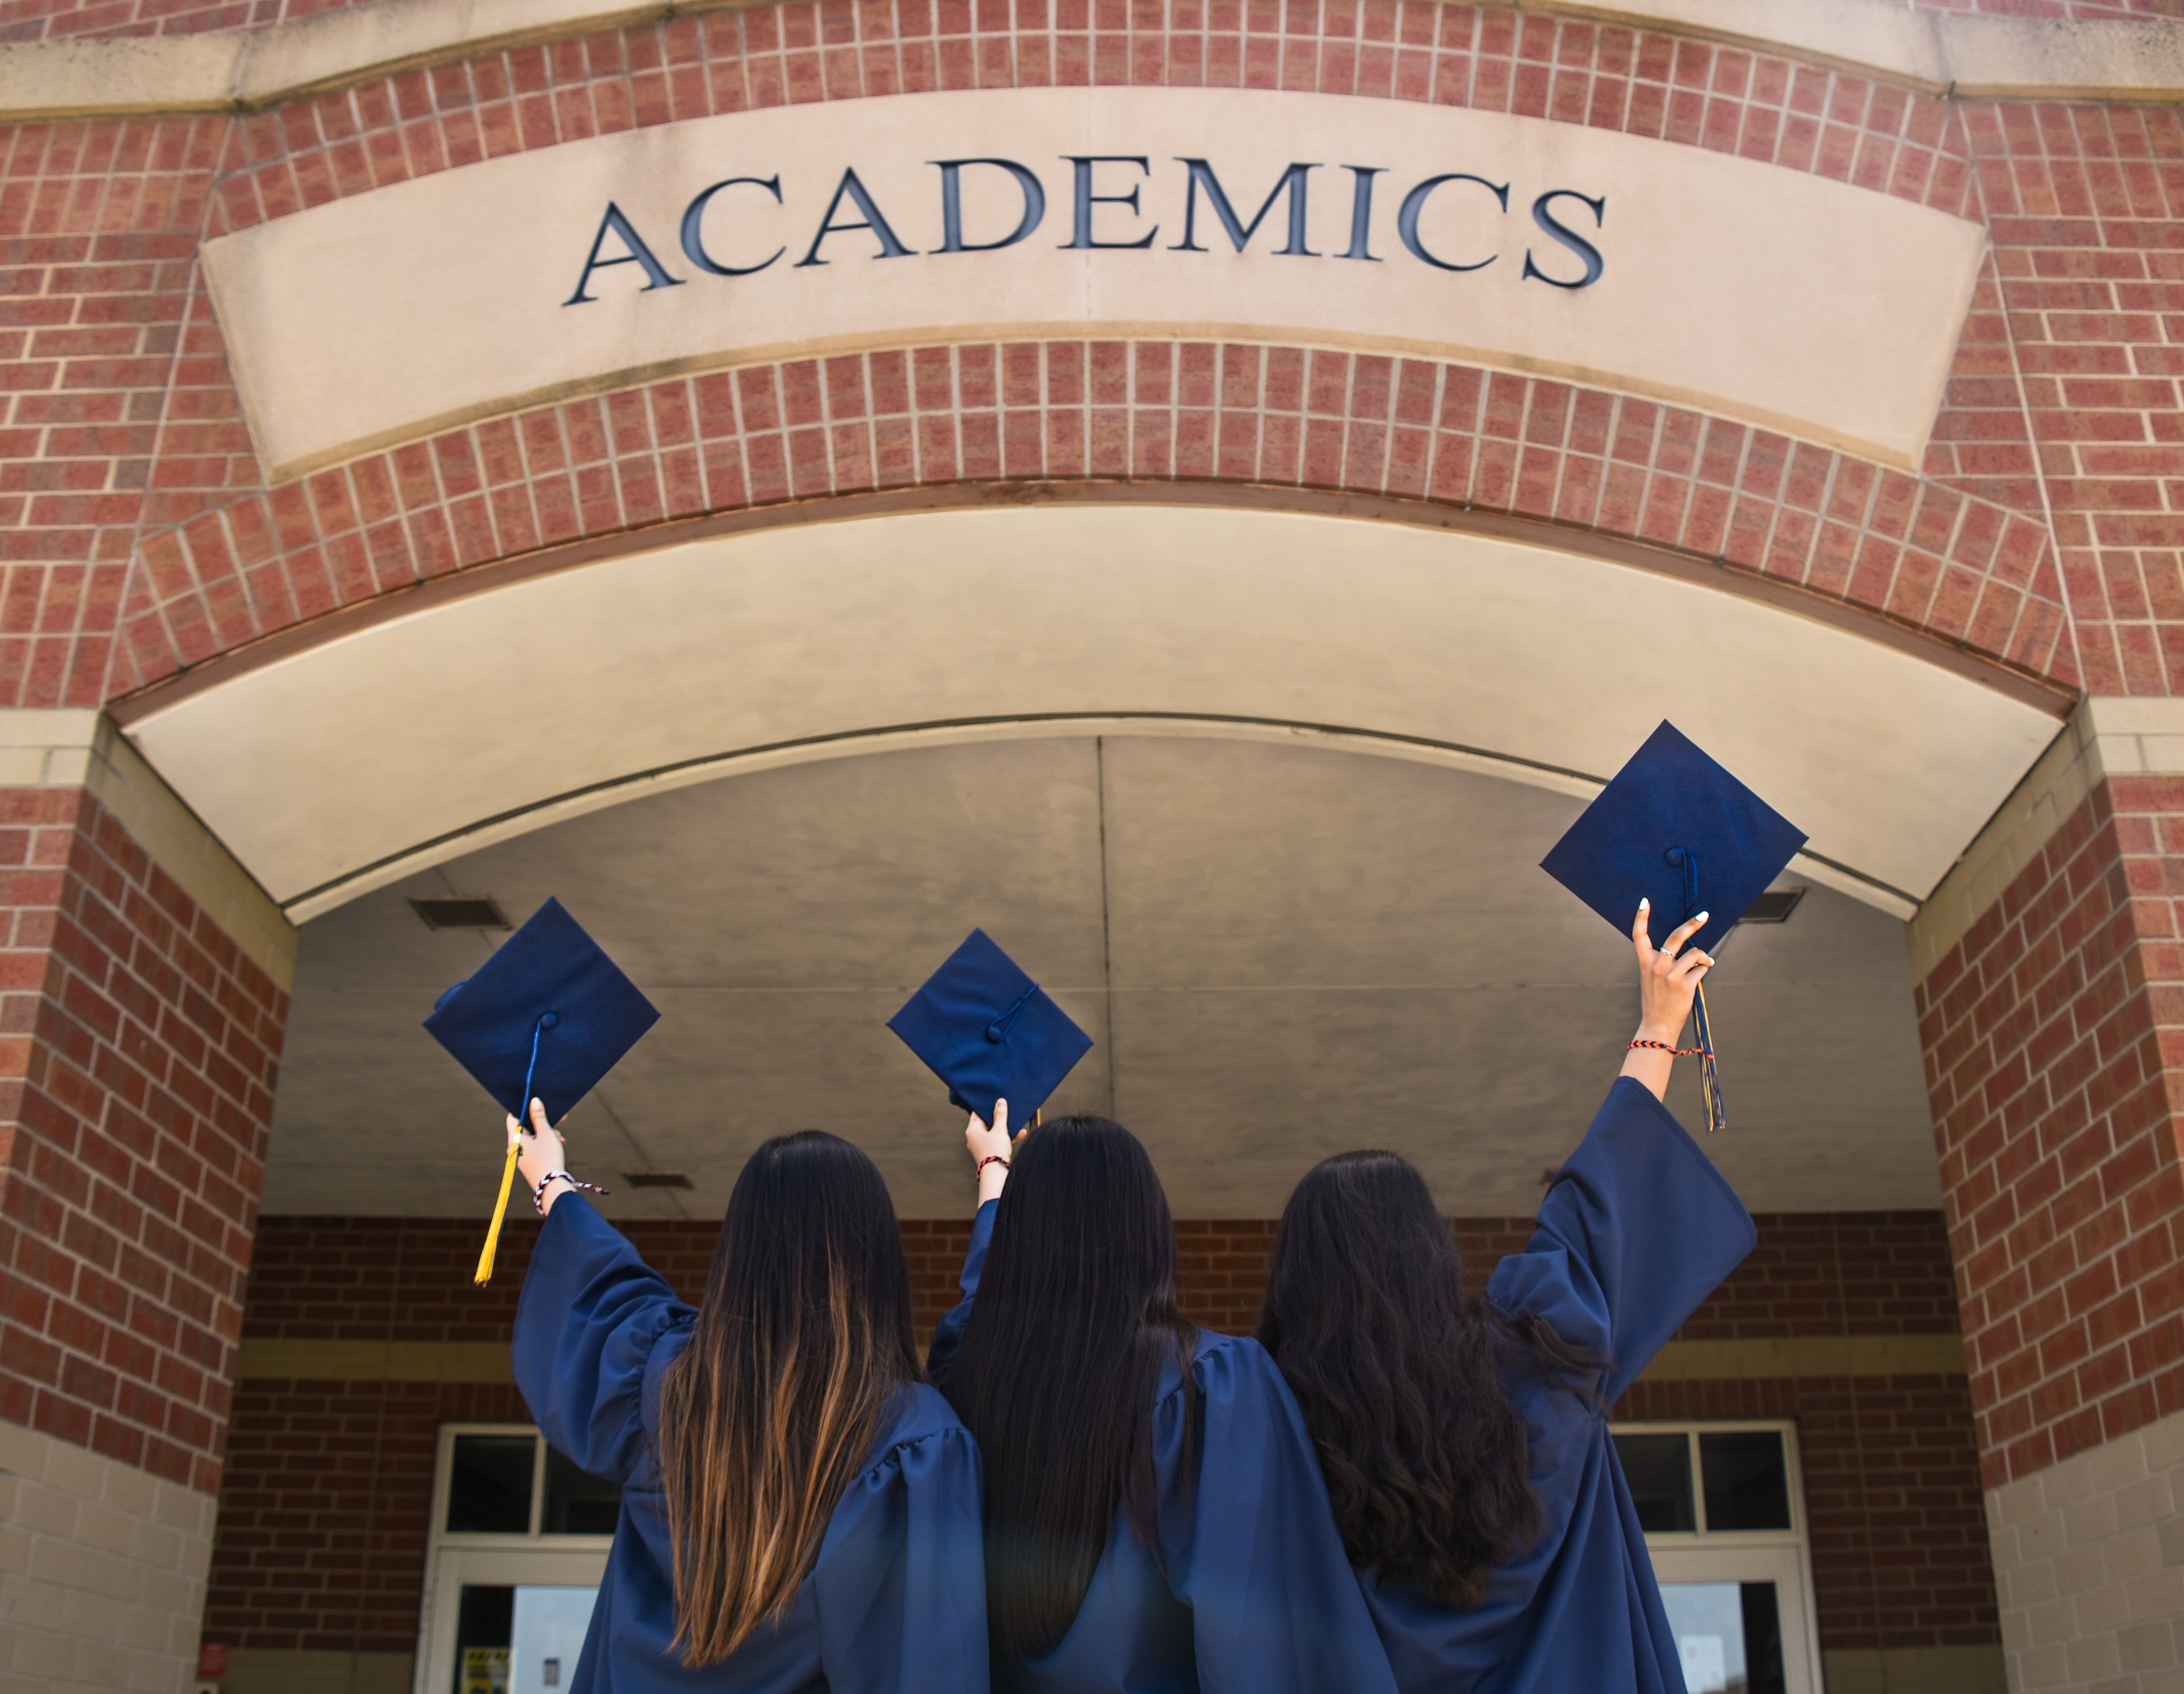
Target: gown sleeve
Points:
(590, 1318)
(950, 1334)
(1275, 1605)
(1638, 1229)
(901, 1582)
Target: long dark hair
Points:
(1058, 1368)
(1401, 1377)
(803, 1340)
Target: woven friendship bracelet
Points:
(538, 1194)
(1673, 1052)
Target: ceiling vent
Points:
(465, 911)
(1774, 906)
(657, 1179)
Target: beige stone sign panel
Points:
(1806, 305)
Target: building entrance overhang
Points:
(1259, 793)
(439, 725)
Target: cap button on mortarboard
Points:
(990, 1032)
(552, 1020)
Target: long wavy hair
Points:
(1401, 1379)
(1058, 1369)
(801, 1343)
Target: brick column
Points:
(2051, 1002)
(143, 996)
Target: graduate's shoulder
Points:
(918, 1417)
(1224, 1364)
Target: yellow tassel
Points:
(500, 1212)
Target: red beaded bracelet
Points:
(1673, 1052)
(990, 1159)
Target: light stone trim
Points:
(1915, 1670)
(1805, 1356)
(247, 70)
(271, 1670)
(71, 749)
(2089, 1567)
(2108, 735)
(102, 1571)
(1790, 1356)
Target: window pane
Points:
(1707, 1619)
(1658, 1469)
(482, 1631)
(1748, 1486)
(489, 1484)
(577, 1503)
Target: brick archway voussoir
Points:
(1588, 467)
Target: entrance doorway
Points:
(519, 1546)
(1722, 1508)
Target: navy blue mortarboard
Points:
(544, 1018)
(1675, 829)
(990, 1032)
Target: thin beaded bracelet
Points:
(990, 1159)
(1673, 1052)
(538, 1194)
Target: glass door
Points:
(1740, 1619)
(1723, 1509)
(520, 1543)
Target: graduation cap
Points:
(1674, 828)
(990, 1032)
(544, 1018)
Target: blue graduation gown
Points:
(896, 1602)
(1638, 1229)
(1258, 1596)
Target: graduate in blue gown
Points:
(824, 1500)
(1155, 1521)
(1466, 1445)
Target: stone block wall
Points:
(102, 1570)
(2090, 1552)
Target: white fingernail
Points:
(1703, 916)
(1644, 903)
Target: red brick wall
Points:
(137, 536)
(327, 1507)
(101, 223)
(1892, 1495)
(123, 428)
(408, 1279)
(2053, 1031)
(122, 433)
(2082, 202)
(137, 1049)
(1892, 1470)
(1594, 464)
